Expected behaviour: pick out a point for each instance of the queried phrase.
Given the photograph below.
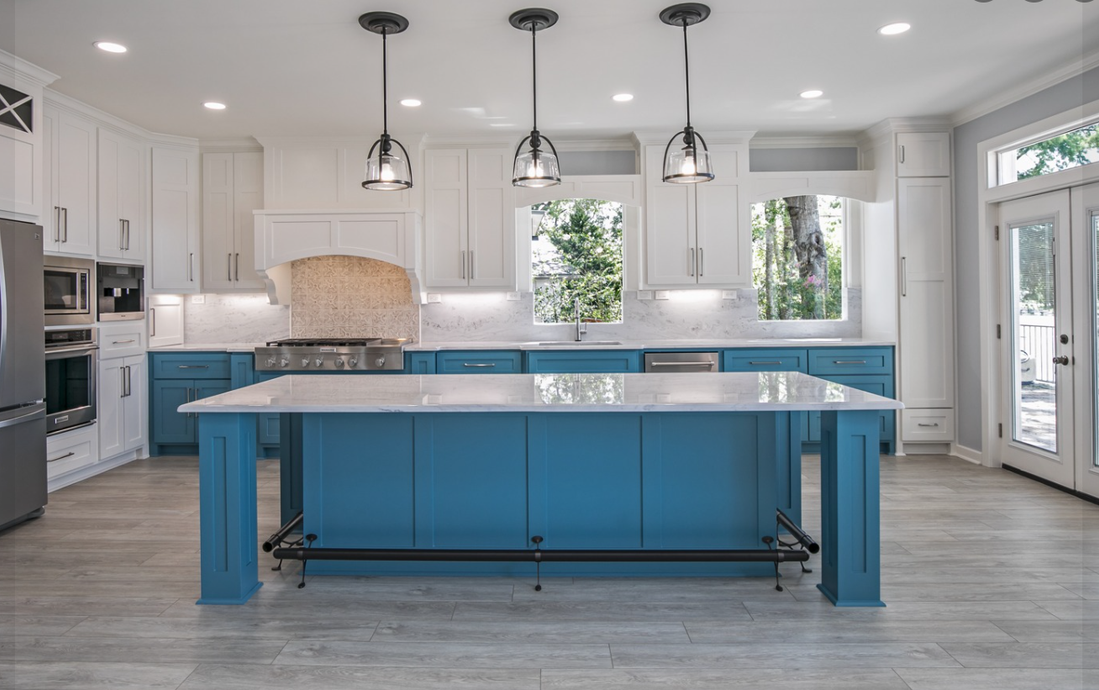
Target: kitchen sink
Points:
(555, 343)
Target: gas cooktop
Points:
(332, 354)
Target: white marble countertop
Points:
(685, 344)
(208, 347)
(716, 392)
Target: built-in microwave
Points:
(67, 286)
(120, 292)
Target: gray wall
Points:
(598, 162)
(1069, 94)
(801, 160)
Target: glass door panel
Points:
(1085, 257)
(1037, 385)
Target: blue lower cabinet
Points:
(479, 362)
(173, 432)
(846, 361)
(765, 359)
(419, 362)
(878, 385)
(242, 367)
(582, 362)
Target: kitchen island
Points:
(582, 461)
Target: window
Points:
(797, 257)
(576, 253)
(1067, 150)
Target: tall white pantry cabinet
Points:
(925, 291)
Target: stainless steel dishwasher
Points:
(680, 362)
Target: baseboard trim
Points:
(100, 467)
(968, 454)
(1040, 480)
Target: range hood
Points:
(285, 236)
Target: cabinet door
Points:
(670, 252)
(121, 228)
(923, 154)
(169, 426)
(175, 220)
(446, 239)
(75, 179)
(21, 149)
(724, 238)
(134, 403)
(112, 433)
(491, 222)
(247, 197)
(583, 362)
(925, 245)
(217, 221)
(479, 362)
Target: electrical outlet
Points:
(514, 296)
(434, 298)
(198, 299)
(661, 294)
(644, 294)
(728, 294)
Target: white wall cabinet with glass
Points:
(121, 209)
(696, 234)
(469, 207)
(175, 217)
(925, 309)
(70, 178)
(122, 405)
(21, 141)
(232, 187)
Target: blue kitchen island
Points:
(630, 463)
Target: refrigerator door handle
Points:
(39, 412)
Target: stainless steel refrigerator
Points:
(22, 374)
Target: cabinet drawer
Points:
(479, 362)
(191, 366)
(72, 451)
(933, 425)
(851, 360)
(584, 362)
(121, 341)
(764, 359)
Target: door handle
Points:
(122, 381)
(129, 391)
(922, 424)
(122, 342)
(62, 457)
(463, 276)
(192, 366)
(471, 265)
(701, 261)
(467, 364)
(121, 234)
(236, 265)
(1062, 360)
(229, 267)
(691, 264)
(902, 153)
(65, 236)
(152, 322)
(904, 276)
(56, 223)
(191, 268)
(127, 235)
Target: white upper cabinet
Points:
(121, 196)
(232, 187)
(21, 143)
(469, 208)
(695, 234)
(175, 200)
(923, 154)
(70, 143)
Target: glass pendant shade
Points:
(535, 167)
(688, 164)
(385, 170)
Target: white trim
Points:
(60, 101)
(100, 467)
(18, 67)
(966, 453)
(242, 144)
(1005, 98)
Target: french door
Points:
(1049, 274)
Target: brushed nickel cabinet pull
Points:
(62, 457)
(193, 366)
(849, 361)
(229, 267)
(701, 261)
(463, 276)
(757, 364)
(467, 364)
(152, 322)
(236, 265)
(922, 424)
(122, 342)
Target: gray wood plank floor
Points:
(991, 581)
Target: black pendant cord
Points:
(534, 69)
(385, 85)
(687, 73)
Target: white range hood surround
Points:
(285, 236)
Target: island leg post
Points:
(850, 507)
(227, 508)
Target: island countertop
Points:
(693, 392)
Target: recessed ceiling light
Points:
(622, 97)
(110, 47)
(894, 29)
(812, 93)
(214, 105)
(411, 103)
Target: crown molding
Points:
(18, 67)
(102, 117)
(237, 145)
(1025, 89)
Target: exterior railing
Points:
(1039, 343)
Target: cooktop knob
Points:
(319, 361)
(305, 361)
(339, 362)
(284, 362)
(380, 361)
(352, 362)
(271, 361)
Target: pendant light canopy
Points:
(691, 163)
(386, 169)
(534, 167)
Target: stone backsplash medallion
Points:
(348, 296)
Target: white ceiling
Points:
(299, 67)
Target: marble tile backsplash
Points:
(336, 296)
(246, 318)
(687, 314)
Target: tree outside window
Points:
(576, 253)
(797, 250)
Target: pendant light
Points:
(691, 163)
(386, 171)
(535, 167)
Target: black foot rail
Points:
(280, 537)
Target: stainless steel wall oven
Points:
(71, 361)
(68, 285)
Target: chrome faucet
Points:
(581, 328)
